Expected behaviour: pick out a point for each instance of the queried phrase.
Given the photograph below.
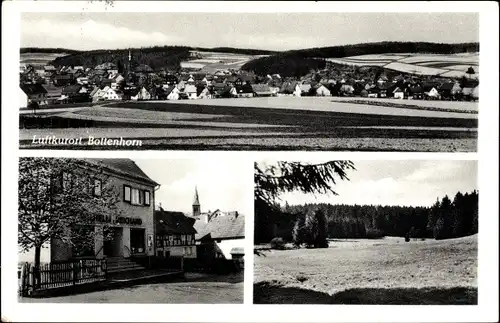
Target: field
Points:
(453, 65)
(210, 62)
(281, 123)
(38, 59)
(382, 271)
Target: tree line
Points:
(445, 219)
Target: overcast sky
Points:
(411, 183)
(222, 184)
(274, 31)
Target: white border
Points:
(487, 310)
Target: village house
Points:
(190, 91)
(53, 93)
(23, 99)
(141, 95)
(202, 92)
(262, 90)
(450, 90)
(218, 235)
(75, 93)
(431, 91)
(174, 234)
(398, 93)
(244, 91)
(35, 93)
(321, 90)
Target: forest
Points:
(445, 219)
(25, 50)
(297, 63)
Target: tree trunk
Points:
(36, 269)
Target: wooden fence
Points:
(64, 274)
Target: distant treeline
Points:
(445, 219)
(25, 50)
(299, 62)
(231, 50)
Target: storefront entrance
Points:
(137, 241)
(113, 242)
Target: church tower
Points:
(196, 204)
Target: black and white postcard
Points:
(212, 161)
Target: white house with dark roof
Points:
(218, 234)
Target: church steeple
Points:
(196, 203)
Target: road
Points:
(208, 290)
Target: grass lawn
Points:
(385, 271)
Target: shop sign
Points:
(119, 220)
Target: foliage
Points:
(157, 57)
(59, 199)
(315, 229)
(273, 180)
(287, 65)
(445, 219)
(25, 50)
(278, 243)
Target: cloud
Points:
(221, 184)
(89, 34)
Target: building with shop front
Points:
(129, 232)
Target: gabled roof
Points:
(261, 88)
(71, 89)
(245, 88)
(200, 89)
(223, 227)
(143, 68)
(31, 89)
(170, 222)
(190, 89)
(448, 86)
(122, 166)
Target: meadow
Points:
(380, 271)
(450, 65)
(282, 123)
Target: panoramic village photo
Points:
(272, 81)
(385, 232)
(131, 231)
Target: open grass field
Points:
(452, 65)
(38, 59)
(282, 123)
(384, 271)
(210, 62)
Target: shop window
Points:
(126, 193)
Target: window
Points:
(97, 187)
(147, 198)
(135, 197)
(126, 193)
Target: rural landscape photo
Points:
(273, 81)
(399, 232)
(128, 231)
